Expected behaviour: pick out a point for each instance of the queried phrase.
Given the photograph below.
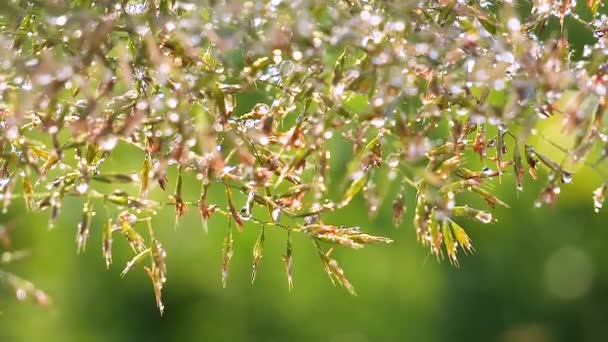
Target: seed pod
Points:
(158, 270)
(288, 260)
(339, 68)
(448, 165)
(258, 253)
(93, 153)
(118, 197)
(532, 161)
(465, 173)
(435, 236)
(593, 6)
(355, 187)
(457, 134)
(421, 216)
(565, 176)
(500, 148)
(235, 214)
(223, 113)
(204, 209)
(227, 253)
(144, 176)
(162, 181)
(518, 168)
(28, 193)
(334, 271)
(107, 243)
(50, 163)
(114, 178)
(450, 245)
(136, 260)
(479, 145)
(446, 148)
(55, 202)
(159, 265)
(83, 227)
(398, 209)
(260, 64)
(180, 206)
(366, 239)
(489, 197)
(459, 186)
(471, 213)
(324, 234)
(135, 240)
(461, 236)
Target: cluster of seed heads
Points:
(251, 98)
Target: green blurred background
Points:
(539, 274)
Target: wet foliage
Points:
(441, 97)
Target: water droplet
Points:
(378, 122)
(275, 214)
(82, 188)
(357, 175)
(245, 214)
(108, 142)
(567, 177)
(393, 160)
(21, 294)
(484, 217)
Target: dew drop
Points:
(275, 214)
(245, 214)
(567, 177)
(393, 160)
(82, 188)
(108, 142)
(484, 217)
(21, 294)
